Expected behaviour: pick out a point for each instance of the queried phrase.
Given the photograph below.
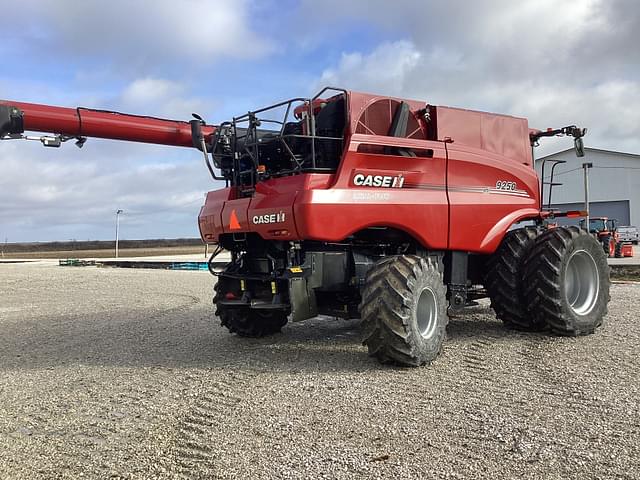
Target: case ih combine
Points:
(355, 205)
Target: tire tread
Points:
(387, 304)
(504, 279)
(542, 278)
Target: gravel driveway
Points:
(109, 373)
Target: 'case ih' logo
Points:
(384, 181)
(269, 218)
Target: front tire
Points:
(618, 250)
(404, 310)
(567, 282)
(609, 246)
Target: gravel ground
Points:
(108, 373)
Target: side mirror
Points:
(196, 132)
(579, 146)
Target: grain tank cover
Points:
(500, 134)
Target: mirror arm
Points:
(198, 140)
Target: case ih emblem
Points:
(269, 218)
(385, 181)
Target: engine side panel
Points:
(210, 218)
(492, 133)
(407, 193)
(270, 212)
(487, 194)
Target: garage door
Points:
(618, 210)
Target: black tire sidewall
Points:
(427, 277)
(592, 319)
(510, 303)
(389, 309)
(606, 245)
(618, 250)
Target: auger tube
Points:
(86, 122)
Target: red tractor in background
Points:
(606, 231)
(364, 206)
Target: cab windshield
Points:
(596, 225)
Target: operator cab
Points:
(292, 137)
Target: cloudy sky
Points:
(556, 63)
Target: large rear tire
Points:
(404, 310)
(504, 279)
(566, 280)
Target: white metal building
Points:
(614, 183)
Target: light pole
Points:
(586, 167)
(118, 212)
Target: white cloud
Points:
(141, 31)
(49, 194)
(386, 67)
(160, 97)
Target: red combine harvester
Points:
(355, 205)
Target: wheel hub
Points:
(427, 313)
(582, 283)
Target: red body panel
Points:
(491, 182)
(480, 212)
(210, 218)
(272, 197)
(419, 208)
(276, 197)
(503, 135)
